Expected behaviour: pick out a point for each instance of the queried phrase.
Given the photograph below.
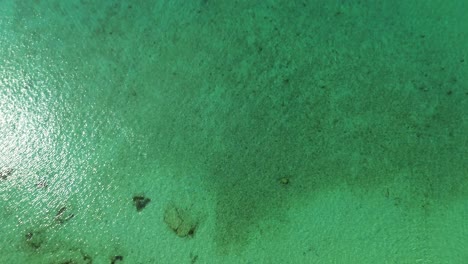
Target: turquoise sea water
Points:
(233, 131)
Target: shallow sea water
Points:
(233, 132)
